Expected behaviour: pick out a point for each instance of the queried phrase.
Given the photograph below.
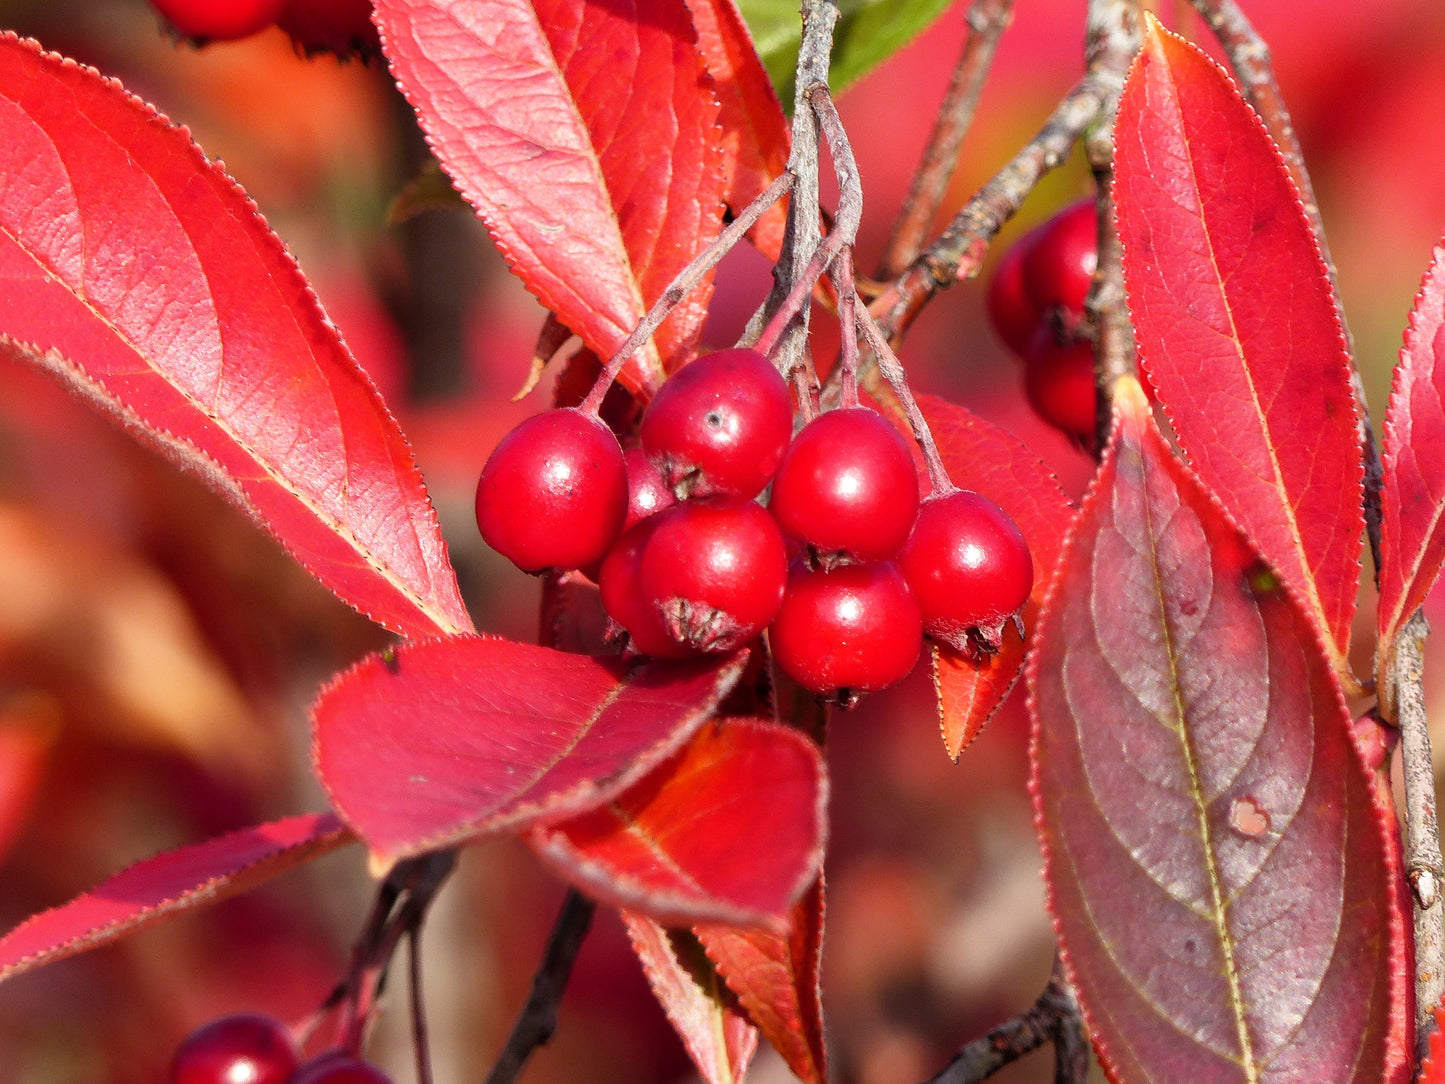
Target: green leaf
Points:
(868, 33)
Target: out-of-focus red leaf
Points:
(730, 829)
(142, 276)
(586, 136)
(1432, 1071)
(27, 735)
(1412, 490)
(989, 460)
(1237, 326)
(1217, 860)
(717, 1034)
(443, 740)
(755, 135)
(776, 979)
(157, 888)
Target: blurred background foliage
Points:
(158, 652)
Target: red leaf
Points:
(755, 135)
(448, 739)
(776, 979)
(989, 460)
(1237, 325)
(585, 135)
(1412, 491)
(142, 276)
(718, 1036)
(1216, 855)
(729, 830)
(158, 888)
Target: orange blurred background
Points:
(158, 652)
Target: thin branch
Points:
(803, 232)
(686, 281)
(987, 20)
(1054, 1017)
(1112, 39)
(1423, 865)
(960, 249)
(420, 1040)
(538, 1019)
(1250, 58)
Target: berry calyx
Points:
(343, 27)
(847, 485)
(248, 1048)
(847, 630)
(619, 581)
(219, 20)
(336, 1067)
(970, 569)
(714, 570)
(720, 425)
(553, 493)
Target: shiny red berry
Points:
(969, 567)
(248, 1048)
(647, 492)
(620, 583)
(553, 494)
(847, 630)
(338, 1068)
(343, 27)
(714, 570)
(1059, 261)
(719, 425)
(1013, 316)
(1059, 384)
(219, 20)
(847, 485)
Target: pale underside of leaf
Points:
(1213, 842)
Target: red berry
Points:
(720, 425)
(249, 1048)
(1059, 384)
(343, 27)
(553, 494)
(969, 567)
(647, 493)
(1009, 309)
(848, 485)
(1059, 261)
(219, 20)
(848, 630)
(620, 582)
(714, 570)
(335, 1067)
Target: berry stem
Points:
(848, 318)
(892, 370)
(803, 232)
(686, 281)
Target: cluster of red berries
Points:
(342, 27)
(846, 569)
(1035, 302)
(257, 1049)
